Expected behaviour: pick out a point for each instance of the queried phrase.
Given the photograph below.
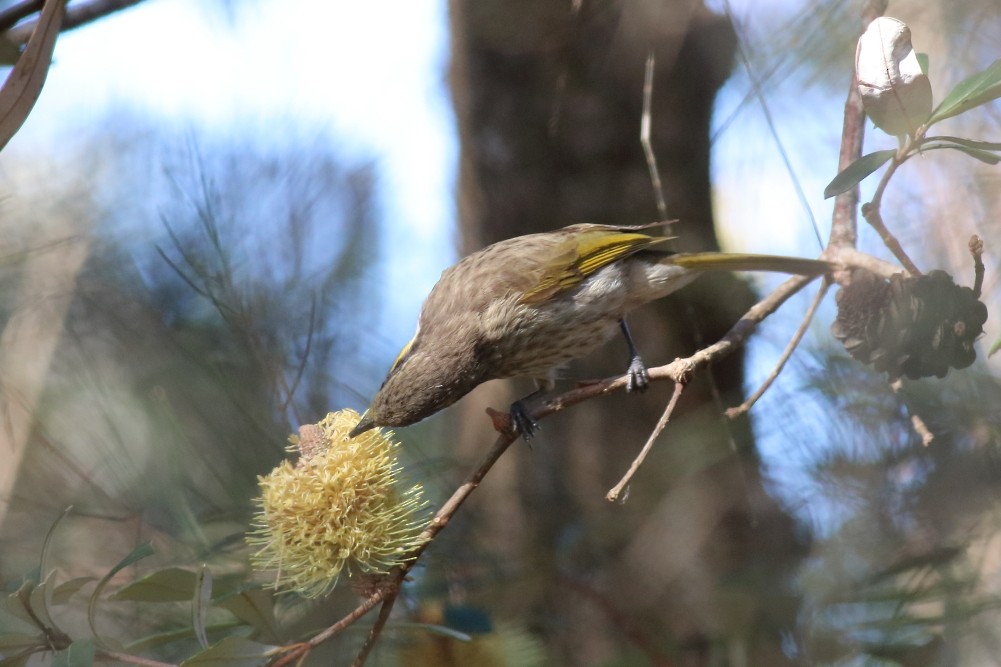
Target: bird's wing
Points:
(585, 250)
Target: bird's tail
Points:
(735, 261)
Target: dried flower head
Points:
(340, 507)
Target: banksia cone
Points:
(340, 507)
(914, 326)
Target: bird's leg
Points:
(521, 418)
(639, 378)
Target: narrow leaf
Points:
(200, 605)
(995, 347)
(923, 62)
(171, 584)
(171, 636)
(970, 92)
(137, 554)
(983, 156)
(232, 652)
(857, 171)
(41, 599)
(24, 84)
(983, 145)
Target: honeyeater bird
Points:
(527, 305)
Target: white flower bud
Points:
(895, 92)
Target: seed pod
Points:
(914, 326)
(895, 92)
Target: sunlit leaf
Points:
(171, 584)
(923, 62)
(995, 347)
(79, 654)
(970, 92)
(232, 652)
(857, 171)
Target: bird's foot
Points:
(522, 422)
(639, 377)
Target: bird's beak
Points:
(364, 425)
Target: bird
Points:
(527, 305)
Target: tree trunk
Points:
(548, 97)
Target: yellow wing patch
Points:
(586, 253)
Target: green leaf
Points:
(995, 347)
(79, 654)
(923, 62)
(970, 92)
(983, 156)
(200, 605)
(232, 652)
(66, 590)
(983, 145)
(137, 554)
(256, 608)
(856, 171)
(171, 584)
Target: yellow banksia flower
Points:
(341, 507)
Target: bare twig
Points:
(732, 413)
(917, 423)
(380, 623)
(872, 215)
(616, 493)
(651, 157)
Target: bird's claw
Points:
(522, 421)
(639, 377)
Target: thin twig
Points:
(733, 413)
(917, 423)
(651, 157)
(871, 211)
(373, 635)
(616, 492)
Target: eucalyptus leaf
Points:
(857, 171)
(970, 92)
(232, 652)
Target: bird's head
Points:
(421, 382)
